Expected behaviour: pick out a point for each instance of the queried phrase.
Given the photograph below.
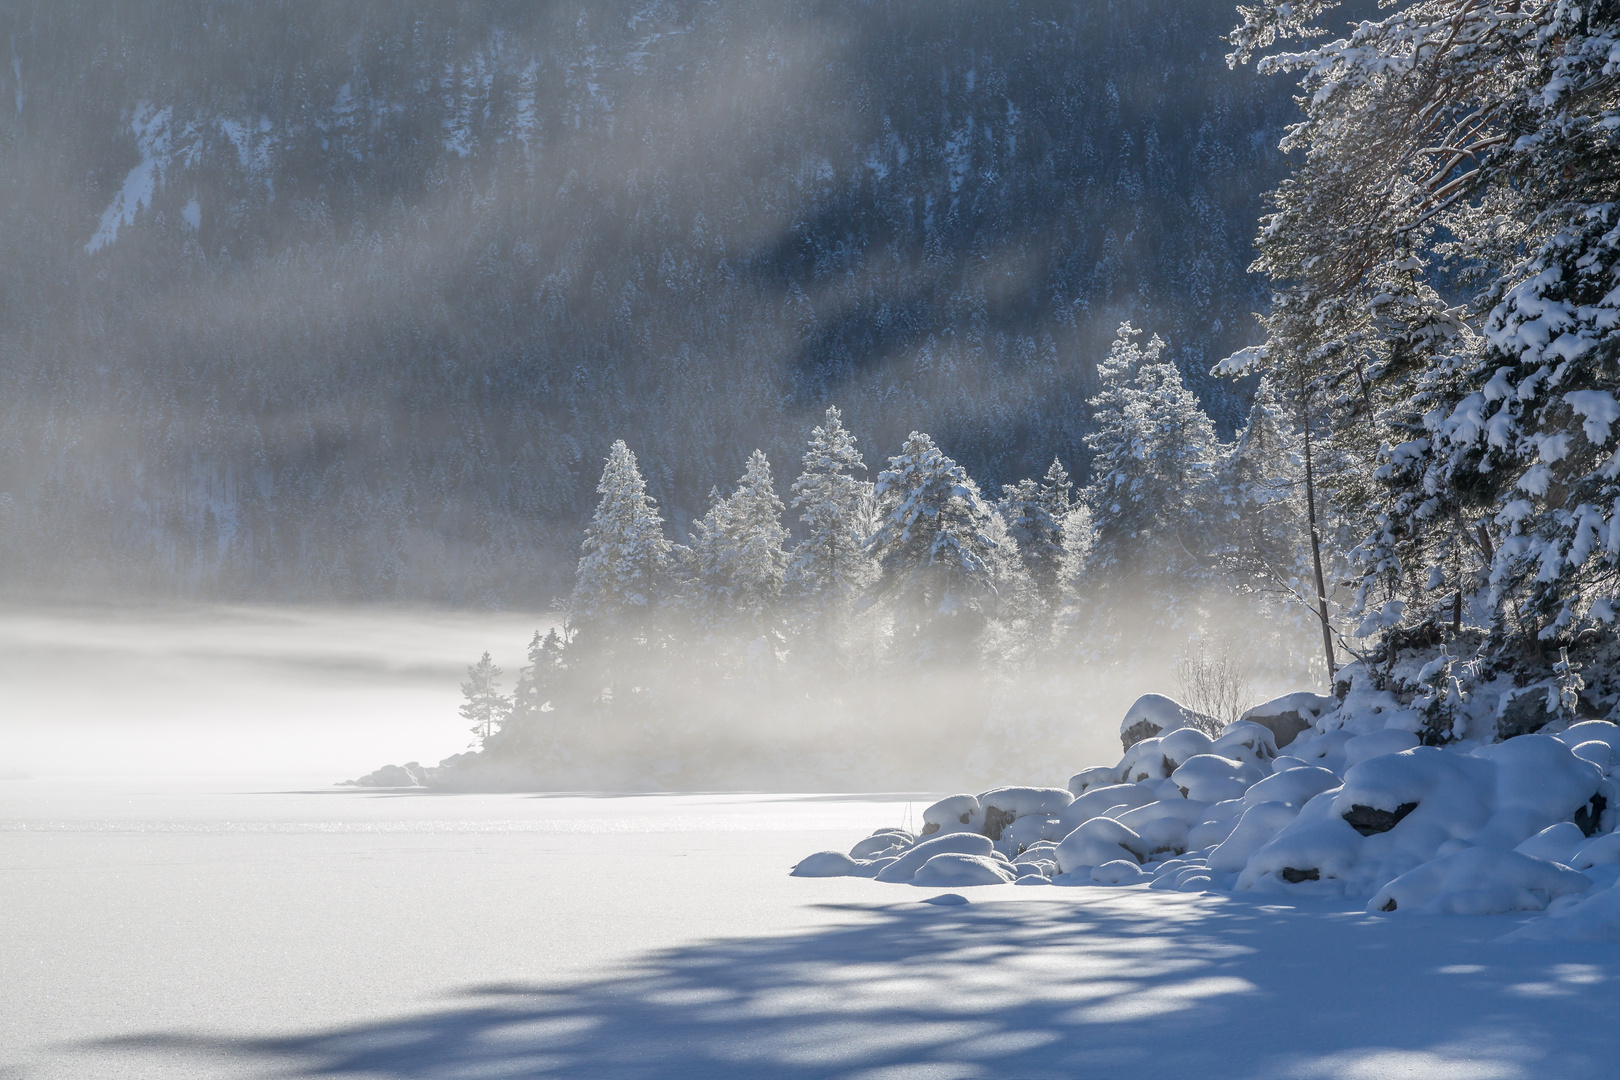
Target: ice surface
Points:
(239, 936)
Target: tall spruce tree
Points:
(933, 549)
(737, 554)
(624, 556)
(831, 564)
(1034, 512)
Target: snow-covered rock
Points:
(1479, 881)
(955, 870)
(955, 813)
(1212, 778)
(959, 843)
(1155, 714)
(1290, 716)
(1100, 840)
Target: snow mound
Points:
(825, 864)
(1479, 881)
(959, 843)
(954, 871)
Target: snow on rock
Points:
(1259, 823)
(410, 774)
(955, 813)
(1290, 716)
(1096, 776)
(1003, 806)
(954, 870)
(1245, 740)
(1355, 807)
(1296, 787)
(1098, 801)
(1119, 872)
(1100, 840)
(1155, 714)
(1479, 881)
(1212, 778)
(958, 843)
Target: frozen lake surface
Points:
(257, 930)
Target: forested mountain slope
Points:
(311, 300)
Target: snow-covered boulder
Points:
(1098, 801)
(1295, 787)
(1096, 776)
(1005, 805)
(1259, 823)
(1098, 841)
(1212, 778)
(411, 774)
(1246, 741)
(1290, 716)
(1144, 761)
(1479, 881)
(1183, 743)
(1028, 830)
(1155, 714)
(954, 813)
(955, 870)
(957, 843)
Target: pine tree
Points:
(485, 706)
(1153, 466)
(1034, 513)
(737, 555)
(624, 556)
(1450, 139)
(831, 564)
(933, 549)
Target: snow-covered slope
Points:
(1306, 795)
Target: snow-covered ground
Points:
(287, 929)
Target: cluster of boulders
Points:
(1306, 793)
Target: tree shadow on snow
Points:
(1087, 983)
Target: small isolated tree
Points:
(933, 549)
(484, 705)
(624, 556)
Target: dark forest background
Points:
(315, 301)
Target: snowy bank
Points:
(1307, 795)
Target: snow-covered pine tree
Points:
(737, 554)
(484, 705)
(1452, 140)
(1153, 470)
(1265, 533)
(624, 555)
(1034, 512)
(933, 550)
(831, 565)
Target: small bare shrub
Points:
(1214, 682)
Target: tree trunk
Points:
(1316, 545)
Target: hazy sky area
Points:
(329, 693)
